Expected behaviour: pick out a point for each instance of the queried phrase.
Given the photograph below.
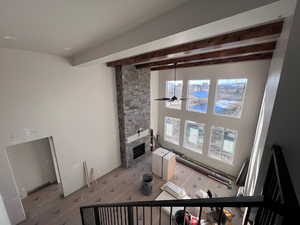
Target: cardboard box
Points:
(163, 163)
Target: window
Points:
(193, 136)
(174, 88)
(197, 95)
(229, 97)
(222, 144)
(172, 130)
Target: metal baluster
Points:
(104, 218)
(184, 210)
(160, 215)
(258, 216)
(268, 216)
(263, 215)
(151, 215)
(96, 214)
(275, 192)
(82, 217)
(107, 216)
(101, 215)
(220, 216)
(130, 215)
(137, 215)
(117, 208)
(274, 184)
(199, 217)
(111, 216)
(143, 215)
(121, 215)
(171, 209)
(125, 217)
(114, 212)
(273, 218)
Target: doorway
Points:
(34, 165)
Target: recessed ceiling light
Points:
(9, 37)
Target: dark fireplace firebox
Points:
(138, 151)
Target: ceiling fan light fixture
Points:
(174, 98)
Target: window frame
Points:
(168, 140)
(222, 147)
(243, 99)
(184, 144)
(166, 90)
(187, 95)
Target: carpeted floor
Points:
(47, 207)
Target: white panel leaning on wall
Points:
(4, 220)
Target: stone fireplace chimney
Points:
(133, 97)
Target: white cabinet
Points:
(163, 163)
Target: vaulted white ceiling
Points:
(66, 27)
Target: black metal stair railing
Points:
(133, 213)
(277, 204)
(280, 201)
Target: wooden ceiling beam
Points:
(257, 56)
(237, 36)
(269, 46)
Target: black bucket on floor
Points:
(147, 184)
(179, 217)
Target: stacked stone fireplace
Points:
(133, 97)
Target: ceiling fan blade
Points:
(162, 99)
(184, 99)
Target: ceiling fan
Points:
(174, 98)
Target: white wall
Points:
(285, 121)
(32, 165)
(255, 72)
(274, 74)
(41, 96)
